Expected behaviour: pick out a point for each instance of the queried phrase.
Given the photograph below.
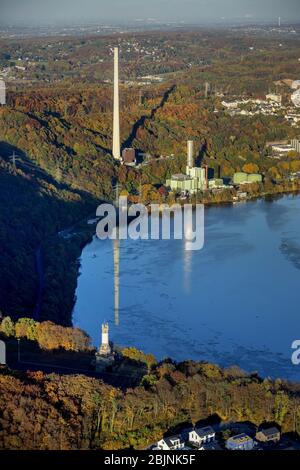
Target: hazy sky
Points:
(196, 11)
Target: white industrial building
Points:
(194, 179)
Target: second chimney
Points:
(190, 153)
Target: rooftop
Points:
(240, 438)
(171, 439)
(270, 431)
(181, 177)
(202, 432)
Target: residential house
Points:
(268, 434)
(170, 443)
(202, 435)
(240, 442)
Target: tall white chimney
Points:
(190, 154)
(116, 123)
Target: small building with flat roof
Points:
(240, 442)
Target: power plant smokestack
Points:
(190, 154)
(116, 123)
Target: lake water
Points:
(237, 301)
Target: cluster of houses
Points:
(251, 107)
(206, 438)
(271, 106)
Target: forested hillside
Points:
(39, 411)
(32, 208)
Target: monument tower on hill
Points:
(105, 349)
(104, 356)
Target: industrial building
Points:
(2, 92)
(182, 183)
(195, 179)
(244, 178)
(215, 183)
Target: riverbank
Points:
(249, 192)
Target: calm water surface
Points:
(237, 301)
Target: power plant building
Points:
(195, 178)
(215, 183)
(182, 183)
(243, 178)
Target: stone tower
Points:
(105, 349)
(116, 120)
